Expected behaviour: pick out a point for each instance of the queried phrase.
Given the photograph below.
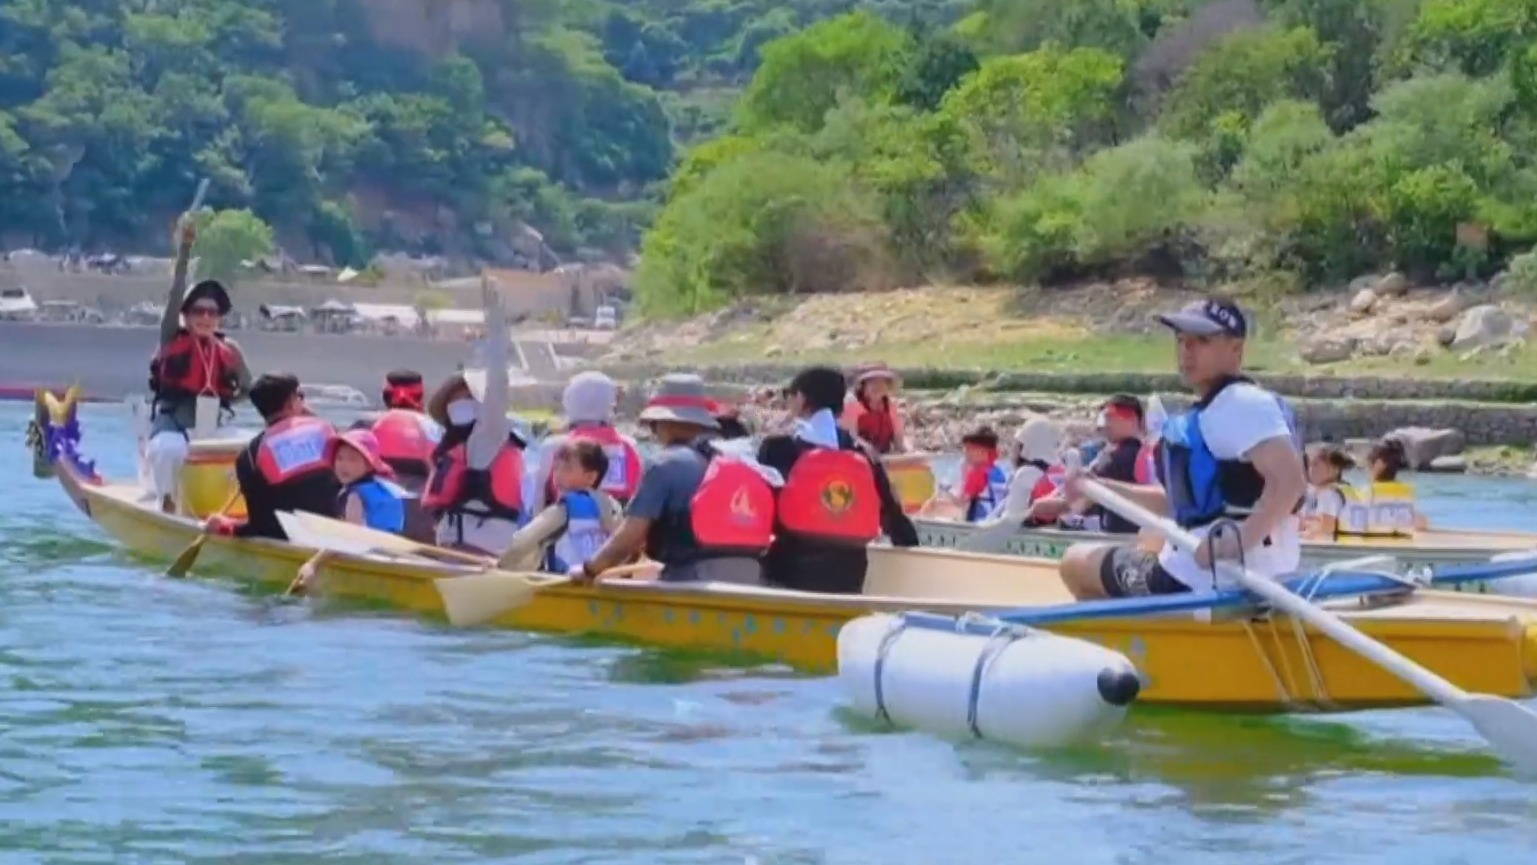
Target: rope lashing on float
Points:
(895, 630)
(1004, 636)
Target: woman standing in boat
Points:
(194, 359)
(871, 414)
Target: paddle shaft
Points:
(1433, 686)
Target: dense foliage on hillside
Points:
(1281, 142)
(558, 113)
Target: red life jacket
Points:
(294, 447)
(188, 367)
(1147, 465)
(499, 489)
(624, 463)
(407, 439)
(877, 426)
(831, 494)
(1051, 480)
(733, 509)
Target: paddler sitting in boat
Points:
(368, 497)
(703, 515)
(577, 523)
(1234, 457)
(407, 437)
(1327, 492)
(475, 490)
(1038, 471)
(194, 359)
(1123, 459)
(871, 414)
(286, 466)
(588, 404)
(836, 497)
(983, 486)
(1386, 508)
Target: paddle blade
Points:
(1509, 727)
(187, 559)
(474, 599)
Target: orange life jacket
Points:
(733, 509)
(294, 447)
(188, 367)
(624, 462)
(831, 495)
(407, 439)
(452, 483)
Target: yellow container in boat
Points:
(912, 479)
(208, 478)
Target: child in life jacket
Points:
(1327, 492)
(368, 497)
(573, 527)
(984, 485)
(1038, 470)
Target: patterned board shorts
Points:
(1132, 572)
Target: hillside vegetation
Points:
(1273, 143)
(428, 125)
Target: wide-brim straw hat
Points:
(875, 371)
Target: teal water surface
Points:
(148, 720)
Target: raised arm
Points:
(492, 426)
(170, 320)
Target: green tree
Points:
(227, 238)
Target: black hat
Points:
(821, 386)
(211, 289)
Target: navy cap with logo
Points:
(1211, 317)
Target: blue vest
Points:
(583, 535)
(997, 490)
(1201, 488)
(384, 506)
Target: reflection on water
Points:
(155, 720)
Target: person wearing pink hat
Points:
(870, 412)
(368, 497)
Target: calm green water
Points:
(145, 720)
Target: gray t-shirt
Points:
(665, 497)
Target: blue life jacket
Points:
(583, 536)
(1201, 488)
(384, 506)
(996, 491)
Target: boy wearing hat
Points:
(194, 359)
(659, 520)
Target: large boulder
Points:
(1484, 326)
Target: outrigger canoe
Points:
(1427, 549)
(1214, 654)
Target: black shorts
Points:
(1131, 572)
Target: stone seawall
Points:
(114, 361)
(120, 292)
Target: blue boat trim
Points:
(1337, 584)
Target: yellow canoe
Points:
(1481, 643)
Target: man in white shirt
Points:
(1235, 456)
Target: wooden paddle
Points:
(474, 599)
(188, 557)
(1509, 727)
(318, 532)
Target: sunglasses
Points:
(202, 311)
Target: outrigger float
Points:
(1226, 651)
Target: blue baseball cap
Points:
(1210, 317)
